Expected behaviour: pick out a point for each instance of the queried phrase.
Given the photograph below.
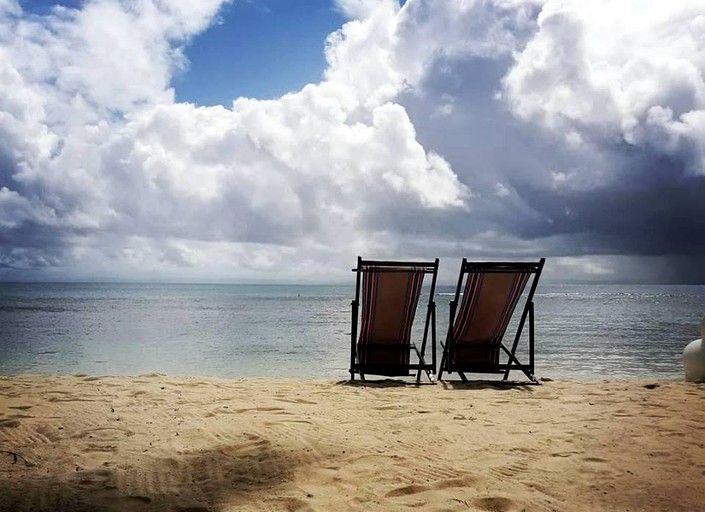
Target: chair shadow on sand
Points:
(477, 385)
(382, 383)
(450, 385)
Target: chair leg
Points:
(531, 377)
(440, 370)
(353, 334)
(513, 359)
(422, 361)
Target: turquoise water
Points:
(582, 332)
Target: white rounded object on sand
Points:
(694, 361)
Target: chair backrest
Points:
(490, 293)
(389, 293)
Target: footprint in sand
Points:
(450, 483)
(565, 454)
(509, 470)
(594, 459)
(98, 448)
(496, 504)
(99, 479)
(447, 483)
(406, 490)
(295, 401)
(104, 434)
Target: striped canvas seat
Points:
(479, 320)
(386, 298)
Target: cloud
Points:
(632, 95)
(99, 156)
(505, 128)
(590, 125)
(598, 79)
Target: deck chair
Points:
(478, 320)
(386, 296)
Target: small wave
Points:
(43, 309)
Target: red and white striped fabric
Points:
(389, 300)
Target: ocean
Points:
(583, 332)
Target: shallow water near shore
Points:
(582, 331)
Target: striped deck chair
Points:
(490, 294)
(386, 295)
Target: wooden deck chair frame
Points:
(356, 364)
(532, 271)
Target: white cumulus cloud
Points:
(95, 148)
(621, 70)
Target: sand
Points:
(162, 443)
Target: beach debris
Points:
(16, 457)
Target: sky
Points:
(275, 140)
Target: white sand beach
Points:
(160, 443)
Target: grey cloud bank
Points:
(503, 129)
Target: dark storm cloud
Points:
(616, 199)
(626, 219)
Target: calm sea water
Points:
(582, 332)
